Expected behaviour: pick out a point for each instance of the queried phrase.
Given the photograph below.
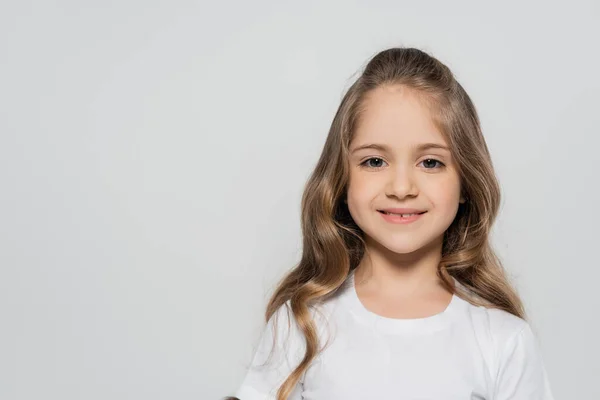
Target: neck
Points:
(386, 272)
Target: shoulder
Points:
(285, 325)
(503, 338)
(514, 355)
(282, 325)
(496, 325)
(323, 314)
(504, 325)
(283, 342)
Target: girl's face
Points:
(398, 171)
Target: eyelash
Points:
(379, 158)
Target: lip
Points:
(396, 219)
(402, 210)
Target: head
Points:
(376, 157)
(399, 158)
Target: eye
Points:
(428, 160)
(367, 165)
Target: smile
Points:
(400, 218)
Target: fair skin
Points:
(397, 277)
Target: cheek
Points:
(448, 189)
(446, 195)
(362, 189)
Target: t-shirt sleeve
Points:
(265, 375)
(522, 374)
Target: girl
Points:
(399, 294)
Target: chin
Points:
(407, 242)
(400, 245)
(407, 248)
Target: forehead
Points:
(396, 116)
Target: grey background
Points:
(153, 156)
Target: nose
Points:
(401, 183)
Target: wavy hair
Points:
(333, 244)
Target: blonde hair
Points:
(333, 244)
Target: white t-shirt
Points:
(466, 352)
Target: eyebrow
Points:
(384, 148)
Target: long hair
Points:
(333, 244)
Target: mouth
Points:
(402, 215)
(397, 218)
